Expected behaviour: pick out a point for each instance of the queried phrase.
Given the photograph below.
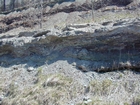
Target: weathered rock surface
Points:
(9, 5)
(29, 16)
(72, 59)
(79, 4)
(117, 41)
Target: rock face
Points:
(11, 5)
(8, 5)
(28, 16)
(74, 56)
(114, 42)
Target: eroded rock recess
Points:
(115, 45)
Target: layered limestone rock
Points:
(68, 57)
(107, 43)
(7, 6)
(10, 5)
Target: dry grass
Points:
(100, 87)
(58, 89)
(55, 89)
(136, 101)
(100, 17)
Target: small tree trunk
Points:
(12, 4)
(92, 1)
(4, 6)
(41, 12)
(34, 15)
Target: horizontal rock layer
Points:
(113, 41)
(8, 6)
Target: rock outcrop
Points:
(107, 43)
(19, 5)
(7, 6)
(29, 16)
(71, 53)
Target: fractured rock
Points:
(30, 69)
(83, 68)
